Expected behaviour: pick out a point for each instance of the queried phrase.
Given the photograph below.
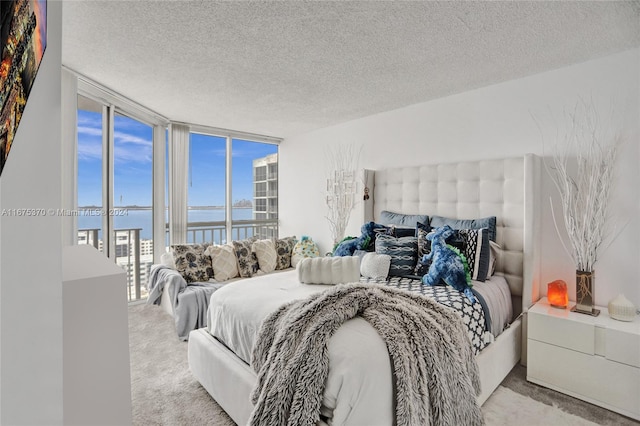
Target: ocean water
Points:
(142, 218)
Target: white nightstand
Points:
(596, 359)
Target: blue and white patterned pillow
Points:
(477, 250)
(403, 252)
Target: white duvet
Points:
(359, 389)
(360, 369)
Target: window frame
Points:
(230, 135)
(114, 103)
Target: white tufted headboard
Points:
(505, 188)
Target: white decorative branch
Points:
(585, 193)
(342, 163)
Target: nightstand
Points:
(596, 359)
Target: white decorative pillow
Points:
(265, 251)
(167, 260)
(224, 262)
(329, 270)
(375, 265)
(494, 253)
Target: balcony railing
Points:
(215, 232)
(127, 255)
(128, 246)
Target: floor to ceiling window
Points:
(133, 200)
(206, 215)
(123, 198)
(90, 171)
(115, 188)
(233, 188)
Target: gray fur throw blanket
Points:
(435, 372)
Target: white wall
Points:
(491, 122)
(30, 252)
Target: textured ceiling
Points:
(283, 68)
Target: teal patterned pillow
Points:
(403, 252)
(306, 247)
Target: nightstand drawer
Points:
(553, 328)
(596, 359)
(595, 379)
(623, 347)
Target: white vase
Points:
(621, 309)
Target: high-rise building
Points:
(265, 193)
(125, 258)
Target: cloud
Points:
(127, 147)
(125, 138)
(127, 155)
(89, 131)
(89, 150)
(132, 148)
(89, 119)
(222, 152)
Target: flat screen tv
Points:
(23, 39)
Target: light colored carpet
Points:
(164, 392)
(506, 408)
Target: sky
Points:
(133, 156)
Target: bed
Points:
(505, 188)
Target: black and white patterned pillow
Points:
(424, 247)
(403, 252)
(192, 262)
(477, 250)
(247, 260)
(284, 248)
(473, 316)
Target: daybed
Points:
(359, 387)
(190, 273)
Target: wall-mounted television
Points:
(23, 39)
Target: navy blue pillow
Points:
(485, 222)
(401, 231)
(403, 252)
